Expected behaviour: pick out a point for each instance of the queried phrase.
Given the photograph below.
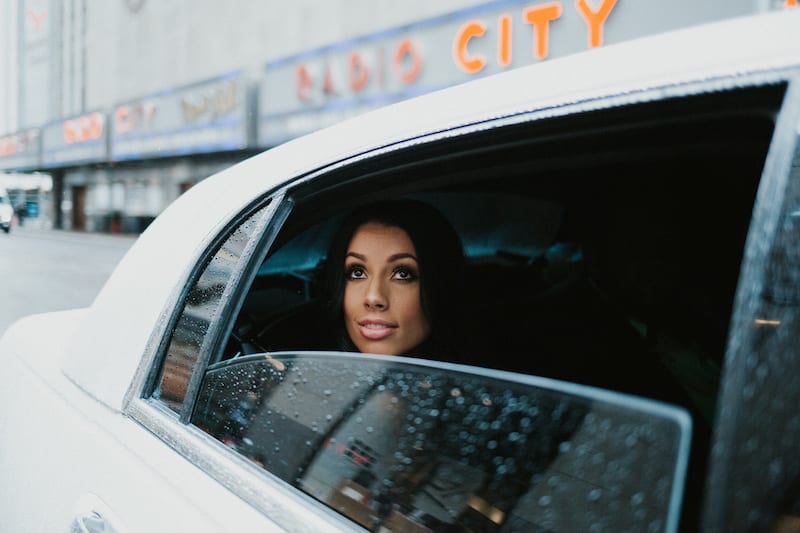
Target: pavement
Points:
(45, 270)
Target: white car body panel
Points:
(146, 485)
(83, 388)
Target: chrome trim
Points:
(275, 499)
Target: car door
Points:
(598, 255)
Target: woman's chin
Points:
(378, 347)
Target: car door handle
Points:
(92, 522)
(92, 515)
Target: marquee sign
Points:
(313, 89)
(208, 116)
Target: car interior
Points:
(601, 248)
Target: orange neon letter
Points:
(504, 46)
(96, 123)
(327, 84)
(469, 64)
(407, 49)
(122, 120)
(790, 3)
(596, 20)
(540, 17)
(359, 73)
(304, 83)
(70, 136)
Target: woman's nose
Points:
(375, 297)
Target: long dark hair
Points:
(441, 262)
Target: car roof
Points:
(109, 345)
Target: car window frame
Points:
(144, 380)
(250, 482)
(720, 512)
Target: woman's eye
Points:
(404, 274)
(356, 273)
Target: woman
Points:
(393, 274)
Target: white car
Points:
(629, 316)
(6, 211)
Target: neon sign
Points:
(84, 128)
(358, 71)
(539, 17)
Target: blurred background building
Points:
(110, 109)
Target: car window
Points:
(602, 250)
(202, 305)
(395, 445)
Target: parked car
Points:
(6, 211)
(629, 218)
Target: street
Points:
(51, 270)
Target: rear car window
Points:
(602, 250)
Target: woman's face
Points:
(382, 304)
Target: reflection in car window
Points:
(397, 445)
(202, 305)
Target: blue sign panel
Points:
(209, 116)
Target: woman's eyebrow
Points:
(403, 255)
(357, 256)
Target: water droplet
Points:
(594, 495)
(545, 500)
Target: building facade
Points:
(128, 103)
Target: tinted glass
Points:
(202, 306)
(406, 446)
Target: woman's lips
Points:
(376, 329)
